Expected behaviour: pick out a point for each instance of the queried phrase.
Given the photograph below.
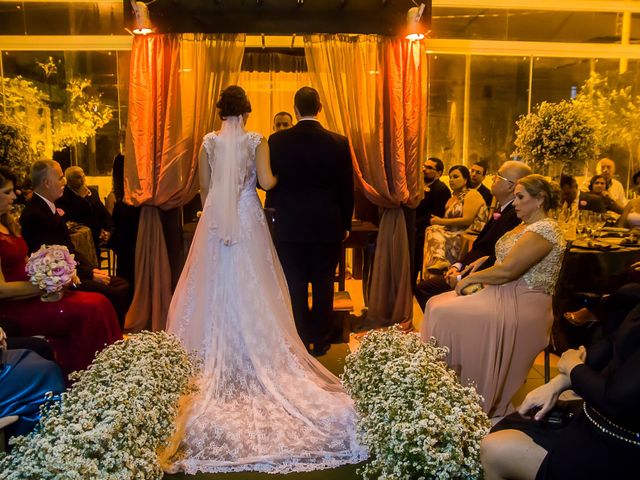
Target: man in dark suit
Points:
(42, 224)
(436, 195)
(573, 199)
(313, 203)
(81, 204)
(478, 171)
(503, 220)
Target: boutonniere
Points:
(497, 215)
(60, 212)
(583, 203)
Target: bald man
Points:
(81, 204)
(503, 220)
(607, 168)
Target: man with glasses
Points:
(436, 195)
(503, 220)
(478, 171)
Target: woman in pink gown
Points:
(495, 334)
(76, 327)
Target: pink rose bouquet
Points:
(52, 268)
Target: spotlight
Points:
(143, 22)
(415, 28)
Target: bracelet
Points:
(459, 277)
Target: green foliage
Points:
(15, 151)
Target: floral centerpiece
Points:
(111, 423)
(556, 133)
(52, 269)
(416, 419)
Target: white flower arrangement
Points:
(416, 419)
(556, 132)
(113, 420)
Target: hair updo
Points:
(539, 187)
(233, 102)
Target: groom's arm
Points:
(346, 187)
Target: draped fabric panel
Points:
(374, 91)
(173, 87)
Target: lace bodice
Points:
(544, 274)
(248, 147)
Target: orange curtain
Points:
(173, 86)
(374, 91)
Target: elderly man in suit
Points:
(82, 204)
(313, 204)
(42, 224)
(503, 220)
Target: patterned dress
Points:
(443, 243)
(495, 334)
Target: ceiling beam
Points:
(544, 5)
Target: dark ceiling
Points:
(385, 17)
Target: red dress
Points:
(77, 327)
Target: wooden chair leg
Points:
(547, 364)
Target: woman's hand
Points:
(465, 282)
(435, 220)
(541, 399)
(571, 359)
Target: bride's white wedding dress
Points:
(264, 403)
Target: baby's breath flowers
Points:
(416, 419)
(113, 420)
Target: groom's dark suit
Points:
(313, 203)
(484, 245)
(40, 226)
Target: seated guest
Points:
(465, 210)
(494, 334)
(607, 168)
(42, 225)
(125, 225)
(630, 217)
(81, 204)
(598, 186)
(25, 379)
(602, 440)
(435, 197)
(504, 218)
(574, 200)
(478, 171)
(77, 326)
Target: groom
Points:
(313, 204)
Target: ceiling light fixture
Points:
(415, 28)
(143, 22)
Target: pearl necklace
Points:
(609, 432)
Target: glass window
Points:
(446, 108)
(498, 96)
(525, 25)
(556, 79)
(37, 96)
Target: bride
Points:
(264, 403)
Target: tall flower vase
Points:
(52, 296)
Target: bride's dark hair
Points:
(233, 102)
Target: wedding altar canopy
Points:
(380, 105)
